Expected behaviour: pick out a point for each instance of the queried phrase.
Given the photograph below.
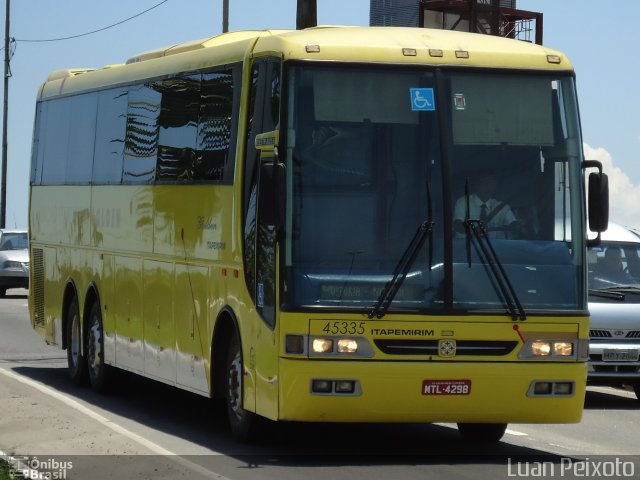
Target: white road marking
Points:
(154, 447)
(516, 433)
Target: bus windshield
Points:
(372, 153)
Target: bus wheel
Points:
(99, 372)
(636, 388)
(241, 421)
(76, 361)
(482, 432)
(3, 292)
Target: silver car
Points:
(14, 260)
(614, 304)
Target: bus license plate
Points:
(446, 387)
(611, 355)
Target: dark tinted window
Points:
(141, 142)
(110, 136)
(82, 134)
(178, 129)
(56, 141)
(215, 129)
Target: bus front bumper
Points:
(425, 392)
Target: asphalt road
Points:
(144, 429)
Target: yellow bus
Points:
(289, 219)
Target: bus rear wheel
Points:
(99, 372)
(482, 432)
(76, 361)
(241, 421)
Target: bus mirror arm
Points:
(271, 196)
(598, 200)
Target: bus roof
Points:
(350, 44)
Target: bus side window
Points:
(178, 128)
(217, 126)
(141, 141)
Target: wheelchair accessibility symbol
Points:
(422, 100)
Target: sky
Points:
(600, 41)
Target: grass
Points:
(4, 470)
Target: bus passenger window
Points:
(178, 128)
(214, 128)
(141, 141)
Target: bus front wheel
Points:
(241, 421)
(76, 361)
(482, 432)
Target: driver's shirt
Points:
(502, 218)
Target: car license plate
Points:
(446, 387)
(616, 355)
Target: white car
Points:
(614, 304)
(14, 260)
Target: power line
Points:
(93, 31)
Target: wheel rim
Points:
(235, 385)
(94, 350)
(74, 344)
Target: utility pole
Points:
(5, 115)
(307, 14)
(225, 16)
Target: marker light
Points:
(554, 59)
(322, 345)
(345, 386)
(347, 345)
(409, 52)
(321, 386)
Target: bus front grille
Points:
(430, 347)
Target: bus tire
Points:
(241, 421)
(636, 388)
(482, 432)
(3, 292)
(99, 371)
(76, 361)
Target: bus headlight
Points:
(563, 349)
(322, 345)
(338, 346)
(540, 348)
(347, 345)
(549, 349)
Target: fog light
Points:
(321, 386)
(347, 345)
(542, 388)
(345, 386)
(563, 388)
(541, 348)
(294, 344)
(563, 348)
(322, 345)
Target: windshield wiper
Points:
(622, 288)
(606, 293)
(402, 269)
(477, 230)
(406, 261)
